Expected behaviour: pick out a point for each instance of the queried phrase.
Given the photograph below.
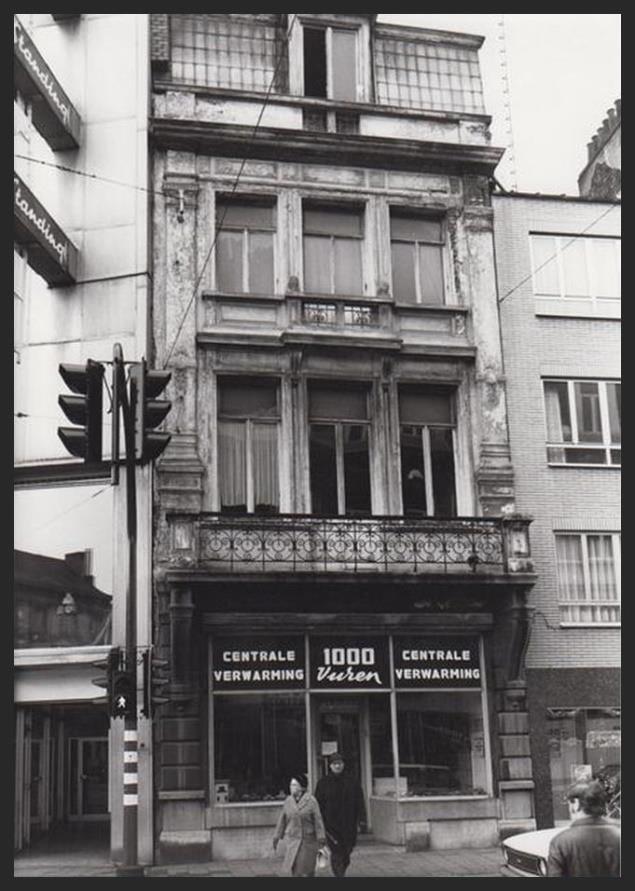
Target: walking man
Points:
(590, 847)
(341, 802)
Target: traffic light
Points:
(148, 412)
(85, 410)
(154, 680)
(110, 665)
(124, 693)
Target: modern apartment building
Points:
(558, 262)
(338, 559)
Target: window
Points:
(583, 743)
(248, 446)
(417, 258)
(330, 63)
(339, 452)
(584, 422)
(442, 743)
(245, 246)
(584, 272)
(427, 451)
(19, 294)
(333, 249)
(588, 577)
(259, 741)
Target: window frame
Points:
(606, 446)
(431, 216)
(328, 28)
(270, 201)
(309, 203)
(616, 546)
(250, 421)
(575, 304)
(340, 467)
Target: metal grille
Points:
(388, 544)
(420, 75)
(526, 862)
(227, 51)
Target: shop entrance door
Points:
(340, 724)
(88, 776)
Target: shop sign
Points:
(265, 663)
(49, 251)
(437, 661)
(351, 663)
(52, 112)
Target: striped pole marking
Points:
(130, 776)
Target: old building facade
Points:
(558, 262)
(338, 560)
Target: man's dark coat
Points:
(590, 847)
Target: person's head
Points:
(587, 798)
(336, 763)
(298, 784)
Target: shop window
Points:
(333, 237)
(417, 246)
(584, 422)
(427, 435)
(330, 63)
(248, 420)
(584, 743)
(581, 271)
(259, 741)
(441, 744)
(245, 246)
(588, 578)
(339, 450)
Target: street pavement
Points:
(369, 860)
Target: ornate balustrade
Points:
(300, 543)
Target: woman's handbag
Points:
(323, 859)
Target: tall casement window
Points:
(333, 238)
(248, 422)
(330, 63)
(339, 450)
(583, 272)
(417, 246)
(584, 422)
(427, 434)
(589, 589)
(245, 245)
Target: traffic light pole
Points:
(130, 867)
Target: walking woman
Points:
(301, 823)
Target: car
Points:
(526, 854)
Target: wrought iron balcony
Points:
(388, 544)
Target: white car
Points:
(526, 854)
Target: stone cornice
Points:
(203, 137)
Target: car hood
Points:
(535, 843)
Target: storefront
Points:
(408, 711)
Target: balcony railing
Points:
(300, 543)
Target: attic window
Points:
(330, 63)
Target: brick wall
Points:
(559, 498)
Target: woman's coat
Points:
(301, 825)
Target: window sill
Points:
(585, 466)
(566, 625)
(243, 295)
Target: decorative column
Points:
(494, 474)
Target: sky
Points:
(563, 72)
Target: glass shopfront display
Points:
(406, 711)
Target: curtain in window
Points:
(570, 571)
(601, 567)
(265, 466)
(555, 430)
(232, 464)
(431, 273)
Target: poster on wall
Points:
(349, 663)
(260, 663)
(437, 661)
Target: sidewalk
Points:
(371, 860)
